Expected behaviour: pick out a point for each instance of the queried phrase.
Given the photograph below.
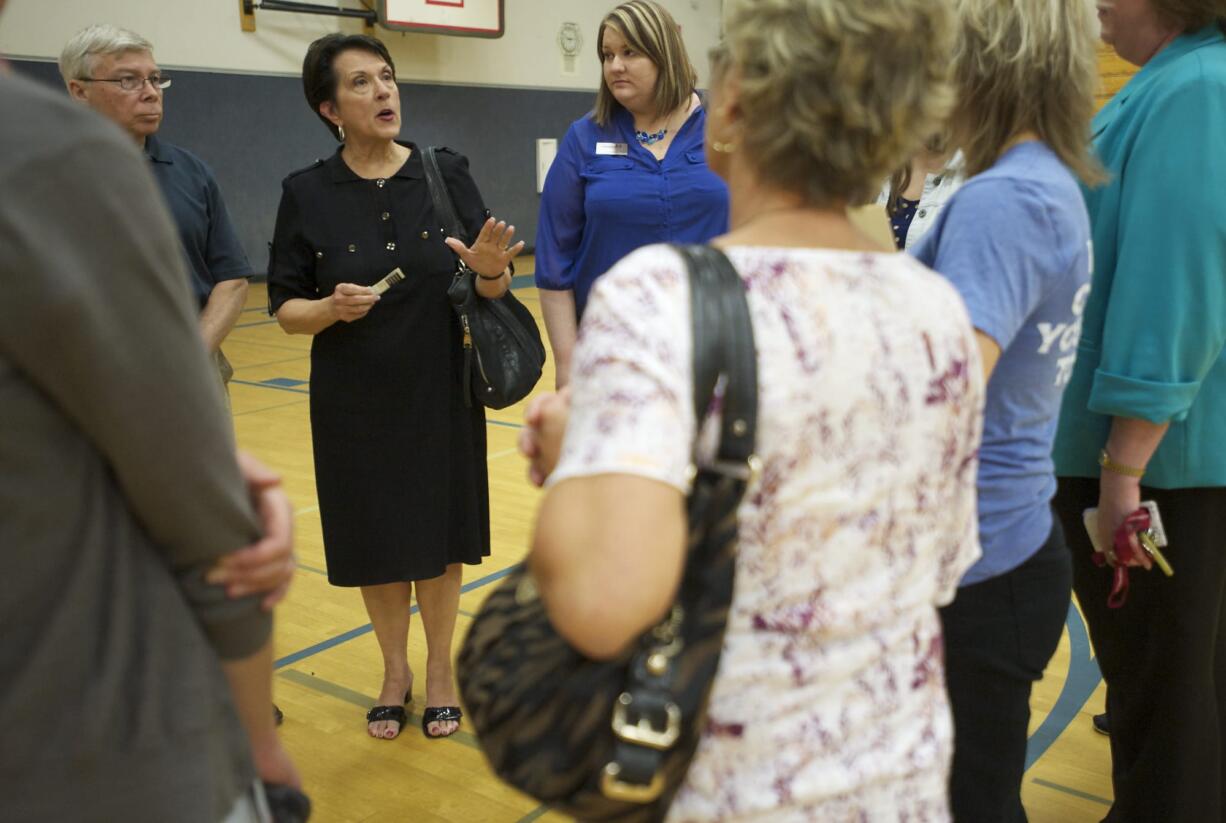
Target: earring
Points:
(723, 148)
(341, 129)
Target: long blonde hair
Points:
(1026, 65)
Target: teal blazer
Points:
(1154, 327)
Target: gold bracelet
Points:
(1110, 465)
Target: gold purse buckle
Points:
(614, 788)
(643, 733)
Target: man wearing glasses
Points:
(112, 70)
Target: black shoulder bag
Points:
(503, 353)
(612, 740)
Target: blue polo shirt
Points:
(1015, 243)
(210, 243)
(606, 196)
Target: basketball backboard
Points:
(466, 18)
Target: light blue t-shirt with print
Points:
(1015, 242)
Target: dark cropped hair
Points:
(319, 81)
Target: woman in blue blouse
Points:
(1148, 397)
(630, 173)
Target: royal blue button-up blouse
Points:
(606, 196)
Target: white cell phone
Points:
(1154, 540)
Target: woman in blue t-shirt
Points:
(1015, 242)
(629, 173)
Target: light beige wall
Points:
(1113, 71)
(205, 34)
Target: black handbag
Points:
(612, 740)
(503, 353)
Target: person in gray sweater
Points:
(136, 661)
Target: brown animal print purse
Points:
(612, 740)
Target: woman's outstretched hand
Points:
(491, 253)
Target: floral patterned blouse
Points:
(829, 704)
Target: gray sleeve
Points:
(96, 312)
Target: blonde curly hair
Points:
(836, 94)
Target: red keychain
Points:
(1139, 525)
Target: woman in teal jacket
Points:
(1147, 397)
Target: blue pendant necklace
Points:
(647, 138)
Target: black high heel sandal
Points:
(439, 714)
(394, 713)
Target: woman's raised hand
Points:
(491, 252)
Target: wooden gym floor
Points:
(328, 664)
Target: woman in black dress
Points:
(400, 463)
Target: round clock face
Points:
(570, 39)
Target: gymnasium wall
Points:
(237, 97)
(1113, 71)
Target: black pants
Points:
(999, 636)
(1163, 655)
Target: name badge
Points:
(617, 149)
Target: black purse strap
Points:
(440, 195)
(647, 722)
(723, 351)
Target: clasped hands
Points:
(267, 566)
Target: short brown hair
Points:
(836, 94)
(650, 29)
(319, 80)
(1026, 65)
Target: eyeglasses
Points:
(131, 82)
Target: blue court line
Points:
(535, 814)
(1074, 792)
(1080, 682)
(323, 573)
(345, 637)
(268, 386)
